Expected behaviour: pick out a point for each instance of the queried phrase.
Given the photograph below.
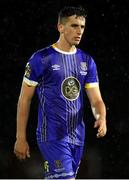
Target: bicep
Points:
(27, 91)
(94, 95)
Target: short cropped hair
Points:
(70, 11)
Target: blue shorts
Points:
(61, 159)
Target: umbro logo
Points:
(56, 67)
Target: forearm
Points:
(99, 110)
(23, 109)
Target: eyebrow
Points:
(75, 25)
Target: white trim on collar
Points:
(63, 52)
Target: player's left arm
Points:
(98, 109)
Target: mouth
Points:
(77, 38)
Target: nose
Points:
(79, 30)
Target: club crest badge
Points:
(83, 66)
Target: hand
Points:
(21, 149)
(102, 127)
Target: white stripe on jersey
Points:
(42, 99)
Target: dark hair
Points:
(71, 10)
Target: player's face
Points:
(73, 29)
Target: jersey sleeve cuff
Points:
(91, 85)
(30, 82)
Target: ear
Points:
(60, 27)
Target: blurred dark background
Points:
(26, 26)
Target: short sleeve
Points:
(92, 79)
(34, 70)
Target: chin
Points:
(76, 43)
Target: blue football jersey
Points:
(60, 79)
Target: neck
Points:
(60, 44)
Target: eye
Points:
(82, 27)
(74, 25)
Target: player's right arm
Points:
(21, 147)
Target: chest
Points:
(65, 66)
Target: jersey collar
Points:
(63, 52)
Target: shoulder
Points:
(42, 52)
(85, 55)
(41, 55)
